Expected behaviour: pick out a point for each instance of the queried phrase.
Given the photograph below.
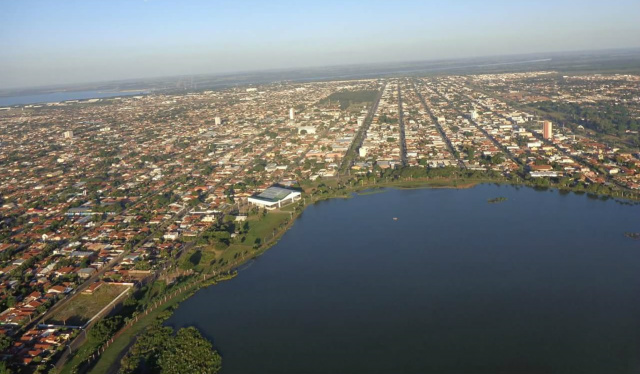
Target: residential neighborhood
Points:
(99, 196)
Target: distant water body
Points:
(543, 282)
(54, 97)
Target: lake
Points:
(544, 282)
(54, 97)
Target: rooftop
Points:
(274, 194)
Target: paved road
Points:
(485, 132)
(160, 228)
(61, 303)
(359, 139)
(403, 140)
(538, 136)
(437, 124)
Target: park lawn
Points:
(159, 287)
(232, 253)
(348, 98)
(204, 258)
(259, 228)
(200, 259)
(209, 255)
(262, 227)
(82, 307)
(309, 186)
(448, 183)
(89, 346)
(289, 208)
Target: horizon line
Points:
(62, 86)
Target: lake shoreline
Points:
(189, 313)
(363, 190)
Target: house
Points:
(64, 271)
(4, 246)
(91, 289)
(59, 289)
(171, 235)
(85, 273)
(130, 259)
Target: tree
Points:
(497, 159)
(5, 343)
(105, 328)
(159, 351)
(189, 352)
(193, 261)
(142, 265)
(147, 349)
(4, 369)
(471, 152)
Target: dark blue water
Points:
(54, 97)
(541, 283)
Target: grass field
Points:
(259, 228)
(347, 98)
(203, 258)
(82, 307)
(262, 227)
(200, 259)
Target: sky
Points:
(52, 42)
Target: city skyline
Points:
(69, 43)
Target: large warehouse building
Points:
(275, 197)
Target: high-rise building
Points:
(218, 121)
(292, 114)
(547, 130)
(68, 134)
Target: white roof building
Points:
(274, 197)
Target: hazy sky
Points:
(64, 41)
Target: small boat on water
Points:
(395, 218)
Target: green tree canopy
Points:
(188, 352)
